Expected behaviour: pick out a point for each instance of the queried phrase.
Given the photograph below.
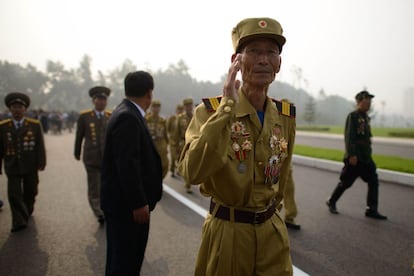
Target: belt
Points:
(242, 215)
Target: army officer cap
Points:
(17, 97)
(252, 28)
(99, 91)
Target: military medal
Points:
(278, 147)
(239, 134)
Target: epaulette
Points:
(285, 108)
(85, 111)
(212, 103)
(108, 112)
(5, 121)
(31, 120)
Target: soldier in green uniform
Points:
(157, 127)
(239, 149)
(183, 120)
(172, 141)
(23, 150)
(90, 131)
(358, 157)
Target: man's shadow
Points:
(21, 254)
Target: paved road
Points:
(385, 146)
(63, 237)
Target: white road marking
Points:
(203, 212)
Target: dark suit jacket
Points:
(23, 150)
(131, 166)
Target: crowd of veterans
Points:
(237, 147)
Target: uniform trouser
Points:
(126, 244)
(291, 210)
(94, 189)
(242, 249)
(173, 158)
(22, 190)
(368, 173)
(164, 163)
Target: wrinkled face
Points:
(260, 62)
(155, 109)
(364, 104)
(17, 110)
(100, 103)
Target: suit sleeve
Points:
(128, 153)
(80, 134)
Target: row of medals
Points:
(28, 143)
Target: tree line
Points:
(66, 89)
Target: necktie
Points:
(18, 125)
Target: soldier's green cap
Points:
(362, 95)
(99, 91)
(187, 101)
(17, 97)
(251, 28)
(156, 103)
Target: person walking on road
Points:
(358, 160)
(23, 150)
(172, 140)
(239, 148)
(90, 130)
(131, 178)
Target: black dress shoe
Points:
(101, 219)
(18, 228)
(332, 207)
(374, 214)
(292, 225)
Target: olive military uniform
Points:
(23, 150)
(183, 120)
(291, 210)
(172, 140)
(358, 143)
(157, 127)
(91, 128)
(226, 148)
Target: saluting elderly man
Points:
(239, 149)
(90, 131)
(23, 150)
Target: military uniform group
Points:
(237, 147)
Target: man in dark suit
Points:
(23, 150)
(131, 178)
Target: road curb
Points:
(334, 166)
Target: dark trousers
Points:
(126, 243)
(22, 190)
(368, 173)
(94, 189)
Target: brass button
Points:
(227, 109)
(260, 163)
(230, 102)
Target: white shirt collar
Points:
(139, 108)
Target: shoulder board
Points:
(212, 103)
(31, 120)
(109, 112)
(285, 108)
(85, 111)
(5, 121)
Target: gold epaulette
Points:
(85, 111)
(212, 103)
(31, 120)
(285, 108)
(5, 121)
(109, 112)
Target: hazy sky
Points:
(341, 46)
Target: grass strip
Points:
(392, 163)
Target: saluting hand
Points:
(231, 85)
(141, 215)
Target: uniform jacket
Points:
(358, 136)
(183, 120)
(91, 132)
(230, 154)
(131, 166)
(23, 149)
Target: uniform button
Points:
(260, 163)
(227, 109)
(230, 102)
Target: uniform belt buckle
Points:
(258, 215)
